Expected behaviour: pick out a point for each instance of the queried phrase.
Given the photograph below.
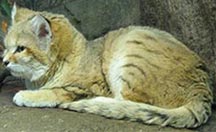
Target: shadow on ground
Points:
(21, 119)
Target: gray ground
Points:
(21, 119)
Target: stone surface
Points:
(96, 17)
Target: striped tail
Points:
(190, 115)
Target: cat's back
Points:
(149, 43)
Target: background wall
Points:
(191, 21)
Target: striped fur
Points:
(135, 73)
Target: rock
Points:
(96, 17)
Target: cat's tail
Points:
(190, 115)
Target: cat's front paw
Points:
(19, 99)
(74, 106)
(33, 99)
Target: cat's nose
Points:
(6, 63)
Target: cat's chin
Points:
(18, 74)
(26, 72)
(25, 76)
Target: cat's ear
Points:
(20, 14)
(41, 28)
(13, 13)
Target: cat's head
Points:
(27, 44)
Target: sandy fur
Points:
(139, 73)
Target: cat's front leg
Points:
(41, 98)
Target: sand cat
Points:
(135, 73)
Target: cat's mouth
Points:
(32, 73)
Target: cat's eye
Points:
(20, 49)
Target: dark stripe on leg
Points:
(126, 81)
(136, 67)
(141, 57)
(134, 42)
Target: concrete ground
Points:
(22, 119)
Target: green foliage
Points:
(5, 8)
